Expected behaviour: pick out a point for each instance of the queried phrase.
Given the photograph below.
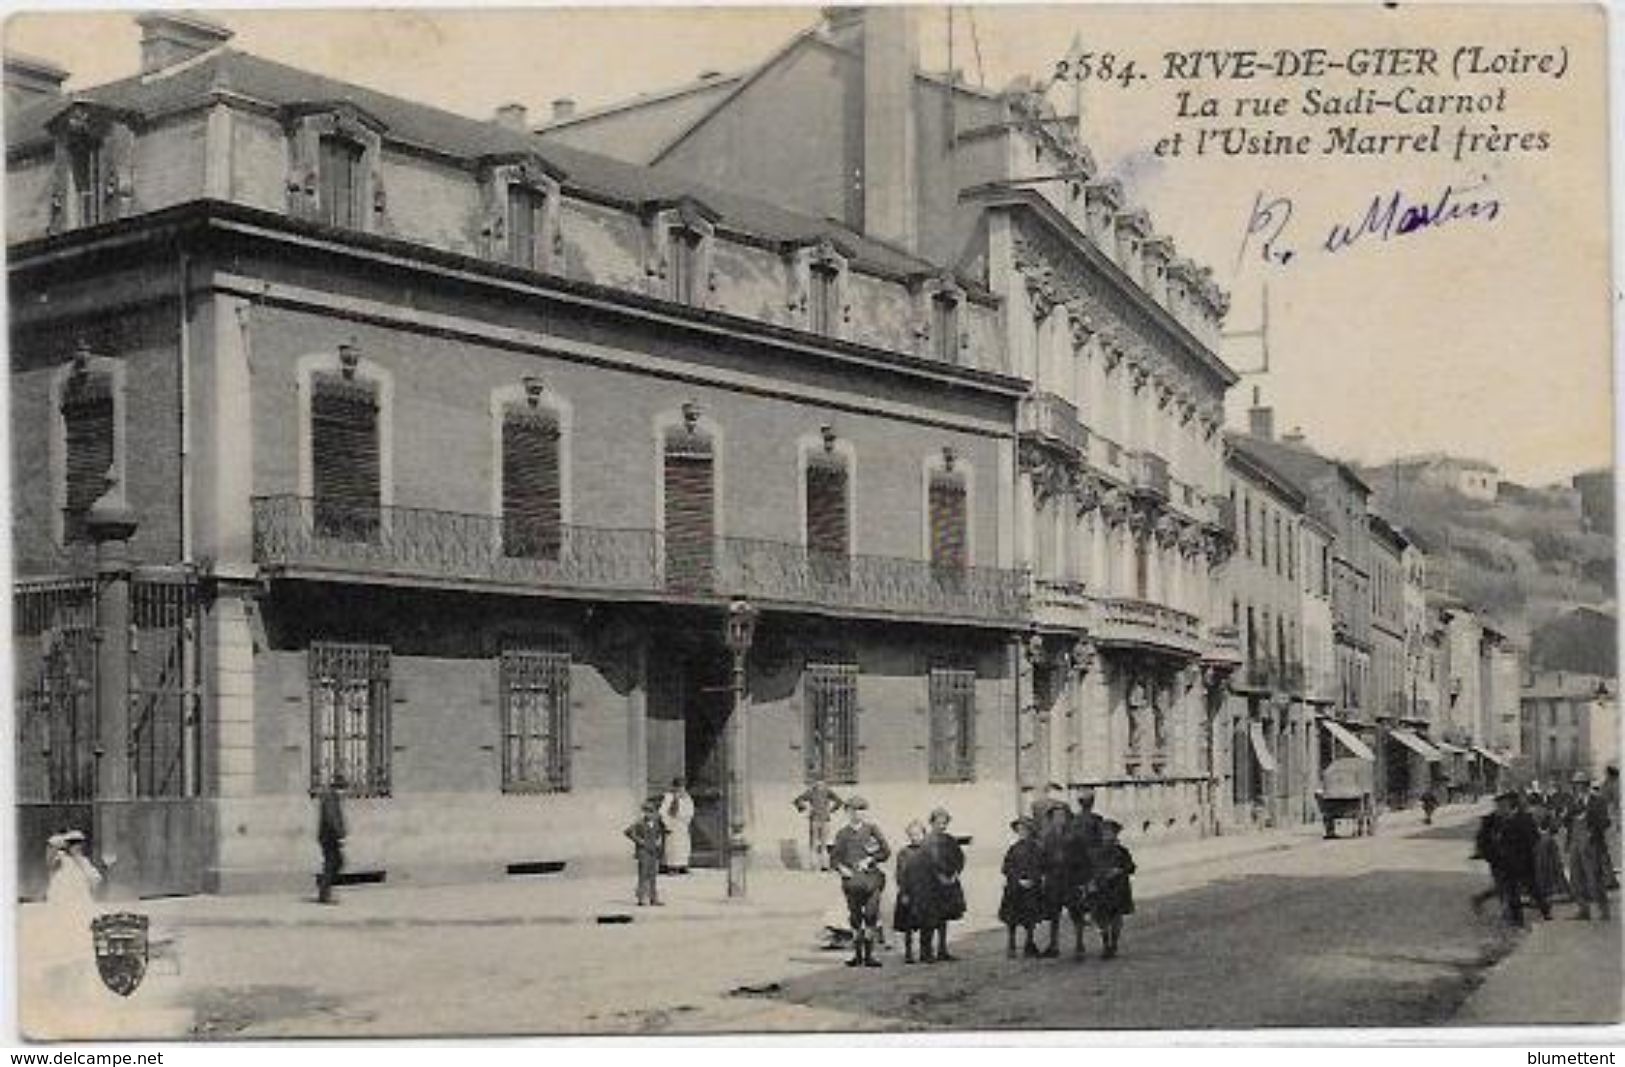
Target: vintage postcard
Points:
(1089, 517)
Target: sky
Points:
(1486, 337)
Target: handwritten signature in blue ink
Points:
(1387, 216)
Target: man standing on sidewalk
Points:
(330, 834)
(818, 803)
(1519, 836)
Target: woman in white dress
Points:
(677, 812)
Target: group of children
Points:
(1066, 861)
(1063, 860)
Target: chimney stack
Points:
(890, 180)
(171, 37)
(29, 79)
(563, 108)
(1260, 419)
(512, 117)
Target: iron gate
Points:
(53, 635)
(165, 680)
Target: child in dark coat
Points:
(1023, 901)
(1113, 895)
(916, 891)
(648, 837)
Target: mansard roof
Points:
(234, 75)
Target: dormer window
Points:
(823, 300)
(679, 252)
(521, 212)
(333, 152)
(818, 287)
(95, 167)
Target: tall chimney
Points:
(890, 58)
(171, 37)
(1260, 419)
(512, 117)
(563, 108)
(29, 79)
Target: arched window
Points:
(690, 507)
(346, 481)
(532, 510)
(829, 546)
(89, 441)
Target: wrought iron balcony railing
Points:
(298, 532)
(1149, 472)
(1050, 418)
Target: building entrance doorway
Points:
(690, 698)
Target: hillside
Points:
(1523, 560)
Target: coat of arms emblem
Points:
(121, 950)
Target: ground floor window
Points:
(953, 725)
(349, 717)
(535, 721)
(831, 711)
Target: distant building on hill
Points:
(1596, 489)
(1472, 478)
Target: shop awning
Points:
(1448, 749)
(1500, 761)
(1350, 742)
(1261, 748)
(1416, 745)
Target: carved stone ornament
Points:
(1192, 542)
(1085, 495)
(1083, 328)
(1167, 529)
(1114, 505)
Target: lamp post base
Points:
(738, 863)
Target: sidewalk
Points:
(560, 900)
(1565, 972)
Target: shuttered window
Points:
(945, 327)
(690, 516)
(535, 721)
(828, 548)
(340, 171)
(85, 159)
(831, 713)
(88, 434)
(685, 265)
(531, 509)
(349, 717)
(953, 725)
(947, 518)
(524, 224)
(823, 308)
(345, 458)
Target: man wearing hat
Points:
(648, 837)
(857, 854)
(330, 834)
(1518, 837)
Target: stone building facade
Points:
(424, 452)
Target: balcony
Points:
(1224, 646)
(295, 535)
(1051, 420)
(1125, 621)
(1148, 473)
(1063, 605)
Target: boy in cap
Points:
(648, 837)
(859, 850)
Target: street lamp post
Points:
(740, 629)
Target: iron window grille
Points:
(831, 714)
(953, 725)
(350, 717)
(535, 721)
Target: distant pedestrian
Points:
(1430, 804)
(1518, 838)
(648, 837)
(947, 858)
(1023, 902)
(1587, 875)
(330, 834)
(1599, 820)
(819, 803)
(1487, 847)
(916, 895)
(677, 815)
(1549, 873)
(857, 854)
(1113, 894)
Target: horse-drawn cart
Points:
(1348, 795)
